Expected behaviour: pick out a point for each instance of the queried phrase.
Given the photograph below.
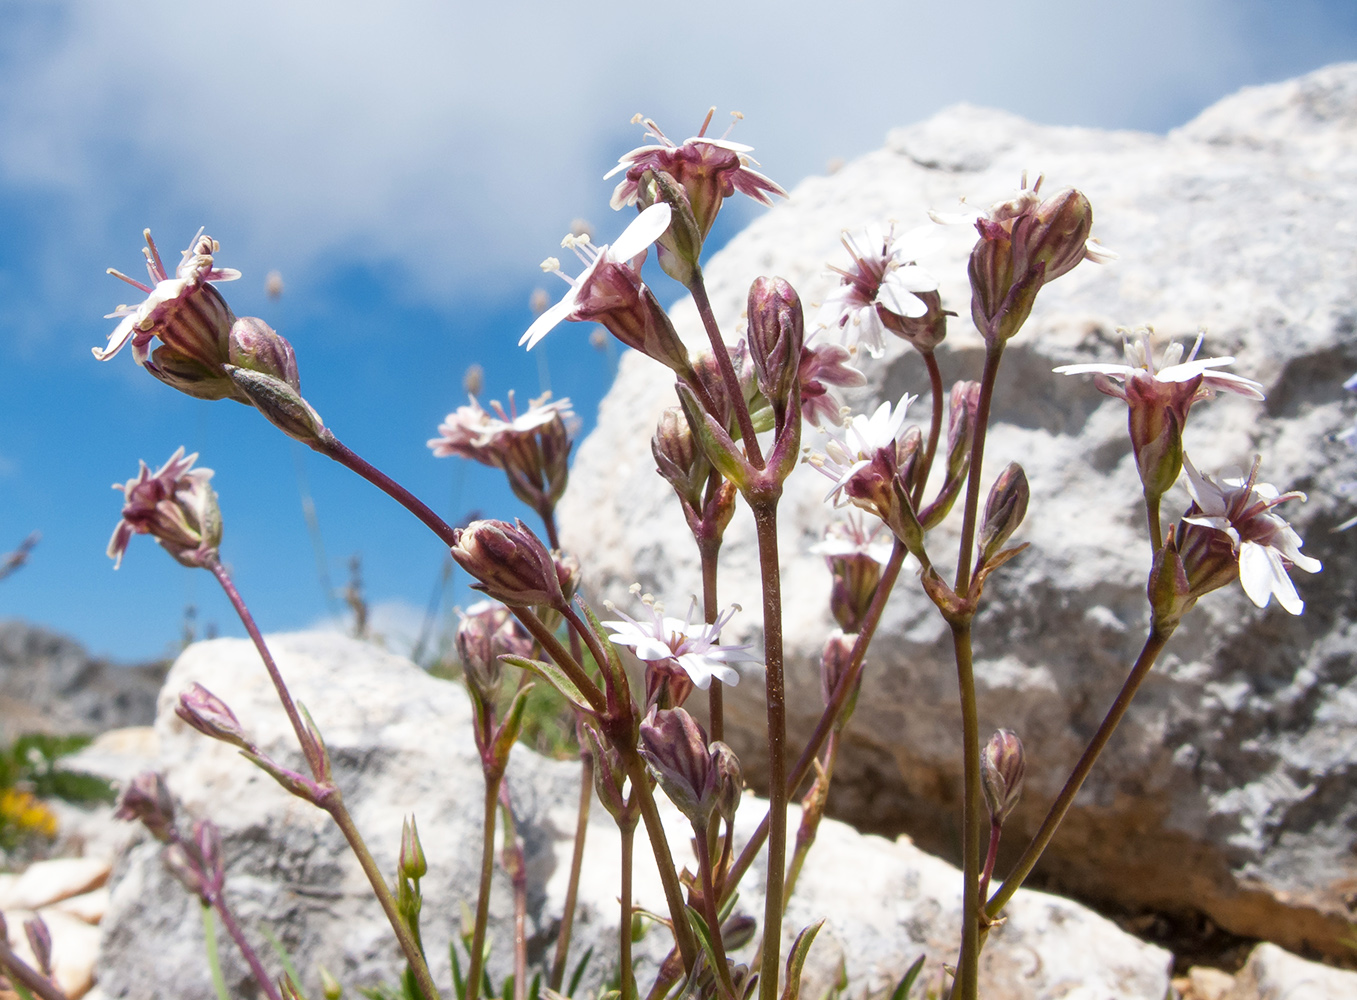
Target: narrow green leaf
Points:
(616, 672)
(901, 991)
(578, 974)
(796, 959)
(283, 956)
(554, 676)
(213, 959)
(458, 983)
(703, 936)
(21, 989)
(512, 724)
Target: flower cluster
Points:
(686, 643)
(881, 286)
(174, 504)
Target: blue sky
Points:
(405, 166)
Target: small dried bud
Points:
(1004, 511)
(1002, 767)
(256, 347)
(510, 563)
(40, 940)
(146, 800)
(675, 747)
(280, 403)
(729, 780)
(207, 840)
(834, 663)
(776, 336)
(610, 775)
(208, 714)
(487, 632)
(473, 379)
(413, 864)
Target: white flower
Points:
(863, 439)
(883, 276)
(611, 279)
(692, 645)
(1266, 545)
(1140, 366)
(851, 537)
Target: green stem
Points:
(732, 380)
(237, 935)
(996, 829)
(967, 977)
(831, 713)
(993, 353)
(1156, 529)
(712, 914)
(934, 428)
(553, 648)
(709, 551)
(628, 830)
(664, 858)
(765, 522)
(409, 946)
(474, 974)
(572, 889)
(810, 823)
(1154, 645)
(334, 802)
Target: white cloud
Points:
(457, 140)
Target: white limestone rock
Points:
(401, 743)
(1230, 788)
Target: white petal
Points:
(1116, 371)
(547, 322)
(117, 340)
(644, 230)
(900, 300)
(1255, 573)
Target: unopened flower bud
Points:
(738, 931)
(487, 632)
(961, 417)
(678, 458)
(146, 800)
(207, 840)
(675, 747)
(925, 332)
(413, 864)
(909, 459)
(256, 347)
(729, 780)
(776, 336)
(211, 716)
(679, 249)
(1004, 510)
(510, 563)
(40, 940)
(1001, 769)
(833, 665)
(280, 403)
(610, 774)
(330, 987)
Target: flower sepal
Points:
(281, 404)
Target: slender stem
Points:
(810, 820)
(709, 551)
(712, 914)
(765, 522)
(341, 453)
(538, 630)
(967, 978)
(628, 830)
(995, 829)
(934, 428)
(20, 971)
(572, 889)
(1156, 529)
(409, 946)
(993, 353)
(827, 719)
(1154, 645)
(474, 975)
(308, 746)
(518, 874)
(228, 921)
(334, 802)
(664, 858)
(722, 353)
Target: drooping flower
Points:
(709, 170)
(855, 555)
(882, 278)
(184, 311)
(1235, 517)
(610, 292)
(823, 365)
(692, 645)
(174, 504)
(1159, 397)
